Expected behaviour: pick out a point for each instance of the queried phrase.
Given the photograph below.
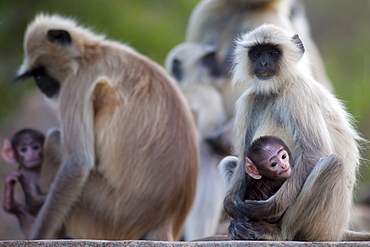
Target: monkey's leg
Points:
(204, 217)
(321, 211)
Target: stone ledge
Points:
(142, 243)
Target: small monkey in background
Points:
(26, 150)
(268, 163)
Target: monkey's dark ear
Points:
(298, 42)
(61, 37)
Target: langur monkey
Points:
(195, 69)
(128, 143)
(219, 22)
(283, 99)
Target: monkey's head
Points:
(193, 63)
(266, 58)
(52, 48)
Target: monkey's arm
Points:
(78, 145)
(52, 158)
(63, 194)
(10, 205)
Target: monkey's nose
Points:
(263, 64)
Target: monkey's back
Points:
(143, 120)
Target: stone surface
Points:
(141, 243)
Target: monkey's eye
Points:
(273, 164)
(283, 156)
(23, 150)
(274, 53)
(36, 147)
(255, 53)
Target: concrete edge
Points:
(144, 243)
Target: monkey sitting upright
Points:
(26, 150)
(283, 99)
(129, 152)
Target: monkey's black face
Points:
(264, 60)
(48, 85)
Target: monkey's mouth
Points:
(264, 75)
(48, 85)
(285, 172)
(32, 163)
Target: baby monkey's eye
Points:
(273, 164)
(284, 156)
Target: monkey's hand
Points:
(243, 228)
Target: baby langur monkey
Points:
(26, 150)
(268, 163)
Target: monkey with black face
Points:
(284, 100)
(121, 176)
(26, 150)
(219, 22)
(195, 69)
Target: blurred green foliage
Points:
(152, 27)
(340, 28)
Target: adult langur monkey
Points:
(283, 99)
(128, 142)
(219, 22)
(195, 69)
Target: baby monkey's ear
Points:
(251, 169)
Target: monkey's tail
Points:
(356, 236)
